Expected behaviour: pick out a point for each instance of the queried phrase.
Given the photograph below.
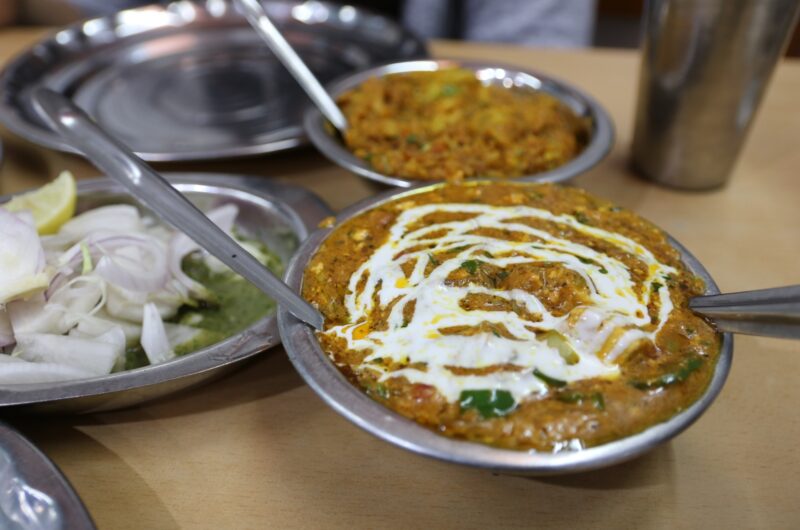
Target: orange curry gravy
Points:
(518, 315)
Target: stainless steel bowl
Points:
(600, 141)
(279, 215)
(320, 373)
(34, 490)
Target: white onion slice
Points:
(36, 316)
(128, 305)
(84, 295)
(94, 356)
(122, 218)
(21, 257)
(135, 262)
(182, 245)
(92, 326)
(15, 371)
(58, 280)
(154, 336)
(131, 275)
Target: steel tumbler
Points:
(705, 67)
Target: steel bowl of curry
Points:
(526, 328)
(445, 120)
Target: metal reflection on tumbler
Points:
(705, 66)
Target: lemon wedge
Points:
(52, 205)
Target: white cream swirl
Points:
(599, 332)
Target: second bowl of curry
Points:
(423, 121)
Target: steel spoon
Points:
(119, 163)
(257, 17)
(768, 312)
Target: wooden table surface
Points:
(259, 449)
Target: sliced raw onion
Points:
(92, 326)
(15, 371)
(154, 336)
(22, 257)
(84, 295)
(182, 245)
(91, 355)
(122, 218)
(113, 270)
(57, 281)
(135, 262)
(131, 275)
(36, 316)
(129, 305)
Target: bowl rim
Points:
(32, 468)
(327, 381)
(600, 143)
(259, 337)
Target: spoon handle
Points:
(256, 15)
(119, 163)
(768, 312)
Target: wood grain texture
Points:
(260, 450)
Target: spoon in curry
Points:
(257, 16)
(768, 312)
(120, 164)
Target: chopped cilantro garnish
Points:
(488, 403)
(471, 265)
(579, 397)
(449, 90)
(671, 378)
(413, 139)
(581, 217)
(551, 381)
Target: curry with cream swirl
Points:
(518, 315)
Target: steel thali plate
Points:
(192, 80)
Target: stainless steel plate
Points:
(33, 490)
(600, 141)
(319, 372)
(193, 81)
(279, 215)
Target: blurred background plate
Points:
(33, 492)
(192, 80)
